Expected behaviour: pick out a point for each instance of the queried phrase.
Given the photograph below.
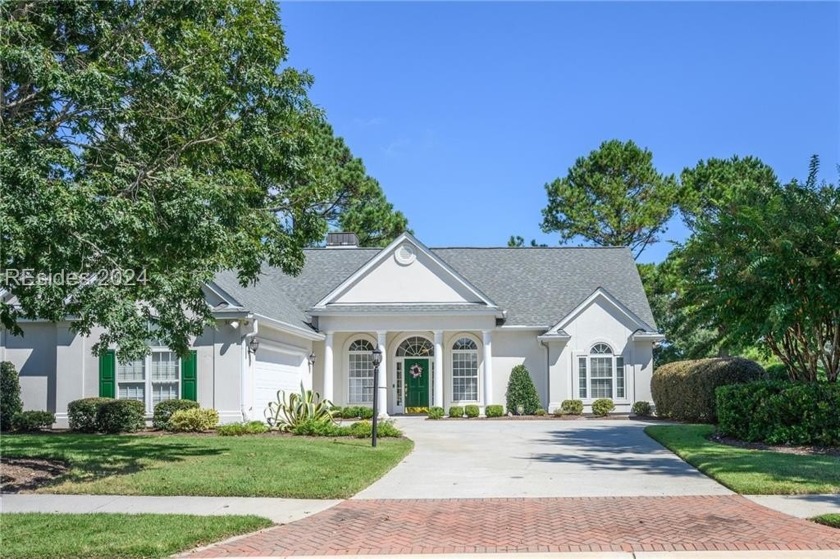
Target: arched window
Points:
(360, 388)
(416, 347)
(464, 370)
(601, 374)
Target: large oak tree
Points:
(151, 144)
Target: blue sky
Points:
(463, 111)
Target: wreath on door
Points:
(416, 371)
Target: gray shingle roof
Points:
(540, 286)
(536, 286)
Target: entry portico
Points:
(445, 341)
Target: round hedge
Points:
(685, 390)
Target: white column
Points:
(488, 367)
(438, 368)
(328, 367)
(382, 380)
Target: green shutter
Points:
(189, 377)
(107, 374)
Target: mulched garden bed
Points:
(786, 449)
(27, 474)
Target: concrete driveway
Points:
(538, 458)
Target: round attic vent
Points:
(405, 254)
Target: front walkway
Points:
(714, 523)
(462, 459)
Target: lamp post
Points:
(376, 359)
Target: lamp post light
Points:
(311, 359)
(376, 359)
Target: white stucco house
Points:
(451, 324)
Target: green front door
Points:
(416, 382)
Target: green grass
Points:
(266, 466)
(66, 536)
(832, 520)
(750, 472)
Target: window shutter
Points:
(189, 377)
(107, 374)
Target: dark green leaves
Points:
(159, 139)
(612, 197)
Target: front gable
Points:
(405, 272)
(602, 307)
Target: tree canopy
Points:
(766, 265)
(713, 185)
(146, 146)
(358, 204)
(612, 197)
(683, 341)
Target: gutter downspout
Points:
(246, 356)
(547, 373)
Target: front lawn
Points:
(65, 536)
(832, 520)
(251, 466)
(750, 472)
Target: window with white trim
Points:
(601, 374)
(151, 379)
(360, 388)
(464, 370)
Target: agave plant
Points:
(287, 412)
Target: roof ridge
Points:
(530, 248)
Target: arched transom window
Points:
(360, 388)
(601, 374)
(416, 347)
(464, 370)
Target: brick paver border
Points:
(694, 523)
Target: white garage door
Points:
(275, 369)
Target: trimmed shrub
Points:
(602, 407)
(165, 409)
(121, 416)
(456, 411)
(33, 420)
(356, 412)
(494, 410)
(350, 412)
(10, 402)
(642, 409)
(239, 429)
(540, 412)
(685, 390)
(81, 414)
(472, 410)
(521, 396)
(194, 420)
(571, 407)
(319, 428)
(364, 429)
(781, 412)
(436, 412)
